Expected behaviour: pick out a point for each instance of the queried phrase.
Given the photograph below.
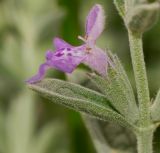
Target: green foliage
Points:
(22, 25)
(26, 31)
(79, 98)
(139, 18)
(71, 90)
(105, 135)
(118, 90)
(120, 5)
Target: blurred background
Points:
(29, 123)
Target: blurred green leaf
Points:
(48, 136)
(18, 129)
(96, 134)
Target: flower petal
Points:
(67, 59)
(40, 75)
(95, 22)
(97, 60)
(59, 43)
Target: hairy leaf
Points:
(106, 137)
(120, 5)
(118, 90)
(78, 98)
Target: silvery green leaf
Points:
(118, 90)
(120, 5)
(155, 109)
(71, 90)
(78, 98)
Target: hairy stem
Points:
(144, 140)
(138, 63)
(145, 134)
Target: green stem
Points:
(138, 63)
(144, 141)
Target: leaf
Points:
(75, 91)
(120, 5)
(118, 90)
(155, 110)
(106, 137)
(78, 98)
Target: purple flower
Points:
(67, 57)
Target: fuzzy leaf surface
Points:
(79, 98)
(120, 5)
(118, 90)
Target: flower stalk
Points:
(135, 40)
(144, 141)
(145, 134)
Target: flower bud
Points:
(142, 17)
